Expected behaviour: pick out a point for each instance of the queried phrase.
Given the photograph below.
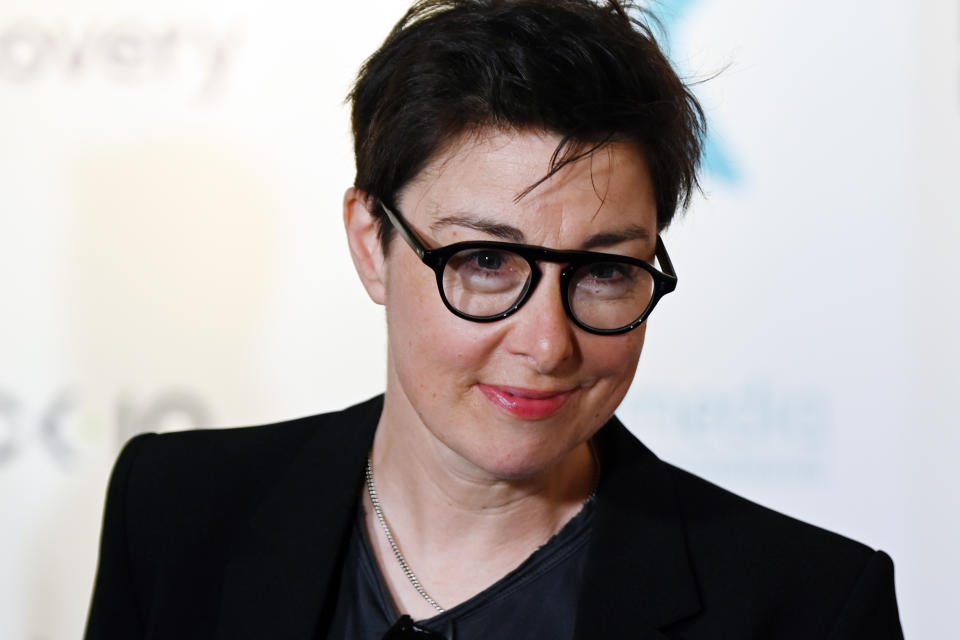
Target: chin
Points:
(515, 456)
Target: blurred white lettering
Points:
(9, 415)
(64, 426)
(124, 53)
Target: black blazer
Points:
(238, 533)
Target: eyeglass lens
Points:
(487, 282)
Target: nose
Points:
(541, 331)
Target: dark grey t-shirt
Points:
(535, 601)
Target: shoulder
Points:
(180, 507)
(204, 480)
(210, 456)
(748, 557)
(755, 572)
(717, 521)
(716, 517)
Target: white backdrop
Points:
(171, 256)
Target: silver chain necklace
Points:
(407, 571)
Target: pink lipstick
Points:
(526, 403)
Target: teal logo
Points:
(718, 161)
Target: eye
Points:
(489, 263)
(606, 280)
(608, 271)
(486, 271)
(488, 260)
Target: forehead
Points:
(490, 173)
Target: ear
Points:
(364, 244)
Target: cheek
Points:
(615, 358)
(427, 342)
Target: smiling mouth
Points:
(527, 404)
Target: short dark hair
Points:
(589, 71)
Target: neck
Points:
(423, 480)
(460, 527)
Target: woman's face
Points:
(512, 398)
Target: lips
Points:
(527, 404)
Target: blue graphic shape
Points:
(717, 161)
(677, 8)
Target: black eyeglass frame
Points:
(663, 281)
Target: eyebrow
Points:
(611, 238)
(513, 234)
(495, 229)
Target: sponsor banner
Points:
(172, 257)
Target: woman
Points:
(516, 161)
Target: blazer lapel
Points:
(282, 565)
(638, 577)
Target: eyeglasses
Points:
(406, 629)
(484, 281)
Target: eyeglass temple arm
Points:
(406, 232)
(666, 265)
